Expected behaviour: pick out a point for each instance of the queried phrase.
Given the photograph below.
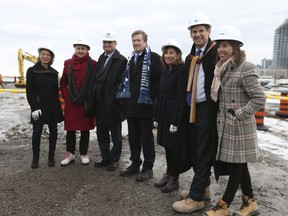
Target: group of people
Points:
(203, 109)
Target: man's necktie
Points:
(136, 58)
(105, 59)
(198, 53)
(103, 62)
(102, 65)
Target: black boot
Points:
(34, 164)
(163, 181)
(51, 161)
(172, 185)
(52, 144)
(36, 145)
(35, 160)
(52, 148)
(51, 158)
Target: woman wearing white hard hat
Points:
(43, 97)
(235, 86)
(76, 85)
(165, 111)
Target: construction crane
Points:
(22, 55)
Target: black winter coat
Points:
(134, 109)
(166, 112)
(42, 91)
(182, 157)
(105, 105)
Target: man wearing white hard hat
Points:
(240, 96)
(139, 89)
(76, 84)
(196, 128)
(108, 111)
(42, 92)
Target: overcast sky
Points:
(32, 23)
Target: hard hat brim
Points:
(81, 45)
(105, 39)
(44, 48)
(190, 27)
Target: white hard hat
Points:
(109, 35)
(82, 41)
(199, 19)
(46, 47)
(230, 33)
(172, 43)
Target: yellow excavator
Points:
(22, 55)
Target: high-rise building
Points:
(265, 63)
(280, 51)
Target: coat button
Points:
(219, 122)
(233, 101)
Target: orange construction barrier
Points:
(283, 108)
(259, 117)
(62, 102)
(1, 81)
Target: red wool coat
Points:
(74, 114)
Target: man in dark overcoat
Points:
(140, 88)
(196, 129)
(108, 110)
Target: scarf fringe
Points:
(123, 95)
(144, 99)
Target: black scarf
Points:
(88, 80)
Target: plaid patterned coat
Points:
(237, 133)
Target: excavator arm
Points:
(22, 55)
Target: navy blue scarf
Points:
(124, 88)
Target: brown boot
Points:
(163, 181)
(248, 207)
(187, 205)
(221, 209)
(207, 195)
(172, 185)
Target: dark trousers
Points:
(103, 138)
(140, 135)
(238, 175)
(36, 139)
(200, 151)
(83, 144)
(169, 153)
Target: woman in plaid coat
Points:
(236, 87)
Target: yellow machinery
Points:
(21, 56)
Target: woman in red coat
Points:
(76, 84)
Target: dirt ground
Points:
(87, 190)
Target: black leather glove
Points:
(232, 112)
